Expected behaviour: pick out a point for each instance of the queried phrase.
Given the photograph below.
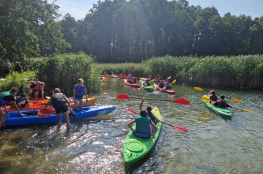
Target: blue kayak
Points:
(32, 118)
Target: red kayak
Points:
(123, 76)
(135, 85)
(169, 91)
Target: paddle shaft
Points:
(152, 99)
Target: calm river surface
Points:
(213, 144)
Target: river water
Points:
(214, 144)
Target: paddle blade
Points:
(246, 111)
(206, 99)
(140, 78)
(182, 101)
(152, 80)
(47, 97)
(169, 77)
(174, 81)
(131, 111)
(84, 96)
(197, 88)
(181, 129)
(105, 80)
(123, 96)
(236, 100)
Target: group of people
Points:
(218, 102)
(6, 66)
(58, 100)
(162, 85)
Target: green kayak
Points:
(218, 110)
(148, 88)
(135, 149)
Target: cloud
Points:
(77, 9)
(250, 2)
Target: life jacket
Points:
(142, 127)
(147, 83)
(36, 87)
(168, 87)
(134, 81)
(2, 95)
(57, 98)
(79, 91)
(19, 99)
(213, 97)
(161, 85)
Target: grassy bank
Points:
(221, 72)
(63, 70)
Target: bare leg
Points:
(59, 119)
(66, 116)
(36, 94)
(75, 104)
(81, 104)
(3, 121)
(1, 117)
(29, 92)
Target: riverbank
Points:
(219, 72)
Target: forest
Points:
(116, 31)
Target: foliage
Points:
(18, 80)
(28, 27)
(63, 70)
(120, 31)
(221, 72)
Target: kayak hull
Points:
(86, 112)
(134, 85)
(168, 91)
(148, 88)
(221, 111)
(134, 149)
(91, 101)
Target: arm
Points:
(68, 104)
(87, 101)
(154, 127)
(141, 103)
(42, 92)
(130, 124)
(48, 103)
(33, 82)
(6, 112)
(14, 103)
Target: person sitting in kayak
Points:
(129, 80)
(35, 87)
(149, 112)
(168, 86)
(161, 84)
(129, 75)
(221, 103)
(59, 100)
(150, 77)
(6, 97)
(105, 74)
(212, 95)
(135, 80)
(147, 83)
(22, 101)
(78, 93)
(143, 129)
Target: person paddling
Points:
(168, 86)
(6, 97)
(143, 129)
(35, 87)
(221, 103)
(161, 84)
(78, 93)
(149, 112)
(134, 80)
(147, 83)
(129, 80)
(212, 95)
(58, 100)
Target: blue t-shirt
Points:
(79, 91)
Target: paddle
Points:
(208, 100)
(178, 101)
(105, 80)
(45, 112)
(176, 127)
(234, 99)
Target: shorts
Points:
(78, 100)
(6, 71)
(61, 107)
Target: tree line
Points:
(129, 31)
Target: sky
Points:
(254, 8)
